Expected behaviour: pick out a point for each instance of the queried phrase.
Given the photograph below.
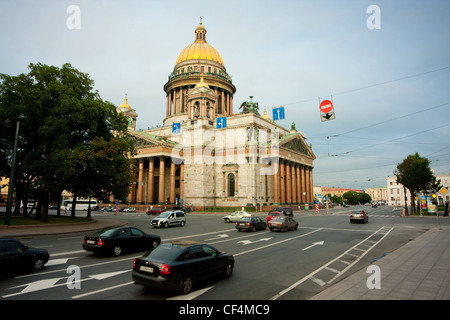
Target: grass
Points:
(20, 221)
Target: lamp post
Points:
(12, 178)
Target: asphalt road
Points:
(269, 265)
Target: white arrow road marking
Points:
(52, 283)
(191, 295)
(320, 243)
(245, 242)
(220, 236)
(54, 262)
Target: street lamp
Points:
(12, 178)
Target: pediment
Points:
(295, 142)
(142, 139)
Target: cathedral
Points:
(207, 154)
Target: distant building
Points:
(396, 192)
(378, 194)
(320, 192)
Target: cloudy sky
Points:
(386, 71)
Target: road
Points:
(269, 265)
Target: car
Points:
(283, 223)
(235, 216)
(169, 218)
(129, 209)
(359, 215)
(155, 211)
(179, 265)
(115, 241)
(251, 223)
(14, 256)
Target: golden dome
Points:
(202, 84)
(265, 115)
(125, 103)
(200, 49)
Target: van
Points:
(169, 219)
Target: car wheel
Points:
(186, 284)
(117, 250)
(166, 225)
(253, 229)
(38, 264)
(284, 229)
(271, 229)
(182, 223)
(296, 227)
(228, 269)
(227, 220)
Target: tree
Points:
(354, 197)
(414, 174)
(69, 138)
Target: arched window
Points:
(231, 185)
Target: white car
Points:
(235, 216)
(129, 209)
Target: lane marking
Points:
(311, 275)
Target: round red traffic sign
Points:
(326, 106)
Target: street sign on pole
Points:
(326, 110)
(278, 113)
(221, 123)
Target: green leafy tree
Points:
(69, 137)
(414, 173)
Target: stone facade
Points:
(199, 160)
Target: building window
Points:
(231, 185)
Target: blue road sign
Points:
(221, 122)
(278, 113)
(176, 127)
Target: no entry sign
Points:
(326, 110)
(326, 106)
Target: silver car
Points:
(235, 216)
(169, 219)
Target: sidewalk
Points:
(419, 270)
(23, 231)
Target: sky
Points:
(384, 64)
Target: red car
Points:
(155, 211)
(279, 212)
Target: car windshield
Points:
(165, 252)
(357, 212)
(164, 214)
(274, 213)
(246, 219)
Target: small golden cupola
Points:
(129, 113)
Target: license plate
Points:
(242, 224)
(146, 269)
(90, 241)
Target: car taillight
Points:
(236, 222)
(134, 264)
(165, 269)
(100, 242)
(248, 223)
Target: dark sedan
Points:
(251, 223)
(14, 255)
(180, 264)
(117, 240)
